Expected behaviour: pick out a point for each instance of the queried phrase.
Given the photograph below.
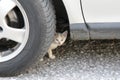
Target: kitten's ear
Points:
(55, 34)
(65, 33)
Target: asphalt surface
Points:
(79, 60)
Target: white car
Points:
(27, 27)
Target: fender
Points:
(78, 28)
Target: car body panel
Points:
(103, 18)
(104, 30)
(101, 10)
(74, 12)
(78, 29)
(93, 19)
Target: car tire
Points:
(40, 18)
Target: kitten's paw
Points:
(52, 57)
(41, 59)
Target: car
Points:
(27, 27)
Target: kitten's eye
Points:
(57, 40)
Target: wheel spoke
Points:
(5, 7)
(1, 35)
(14, 34)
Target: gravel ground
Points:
(79, 60)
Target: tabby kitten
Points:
(59, 39)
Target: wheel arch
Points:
(70, 10)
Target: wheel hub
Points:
(14, 29)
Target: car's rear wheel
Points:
(26, 31)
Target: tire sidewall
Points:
(36, 40)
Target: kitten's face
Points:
(60, 38)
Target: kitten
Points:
(59, 39)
